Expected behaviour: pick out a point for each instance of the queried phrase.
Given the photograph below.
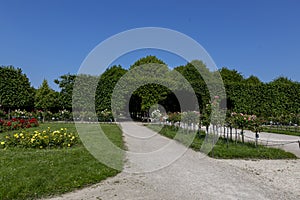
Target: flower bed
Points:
(17, 123)
(40, 139)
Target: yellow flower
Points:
(41, 147)
(3, 143)
(32, 140)
(61, 129)
(7, 137)
(69, 145)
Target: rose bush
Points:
(17, 123)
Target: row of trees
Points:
(243, 95)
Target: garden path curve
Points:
(286, 142)
(193, 176)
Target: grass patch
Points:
(280, 131)
(234, 150)
(35, 173)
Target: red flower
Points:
(9, 123)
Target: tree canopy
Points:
(46, 99)
(15, 89)
(148, 82)
(66, 83)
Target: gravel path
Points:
(192, 176)
(276, 140)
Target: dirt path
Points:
(278, 141)
(192, 176)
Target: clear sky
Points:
(49, 38)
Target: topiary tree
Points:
(15, 89)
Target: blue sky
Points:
(49, 38)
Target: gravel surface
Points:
(192, 176)
(281, 141)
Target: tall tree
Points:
(194, 73)
(106, 85)
(282, 80)
(46, 99)
(252, 80)
(66, 83)
(147, 60)
(231, 76)
(15, 89)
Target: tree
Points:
(252, 80)
(196, 80)
(147, 60)
(66, 83)
(15, 89)
(106, 85)
(150, 93)
(231, 76)
(46, 99)
(282, 80)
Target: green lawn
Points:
(223, 151)
(35, 173)
(286, 131)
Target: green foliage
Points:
(41, 139)
(66, 83)
(192, 75)
(46, 99)
(264, 100)
(231, 76)
(190, 117)
(28, 173)
(287, 130)
(282, 80)
(222, 151)
(105, 87)
(174, 117)
(157, 85)
(147, 60)
(17, 123)
(15, 89)
(83, 94)
(252, 80)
